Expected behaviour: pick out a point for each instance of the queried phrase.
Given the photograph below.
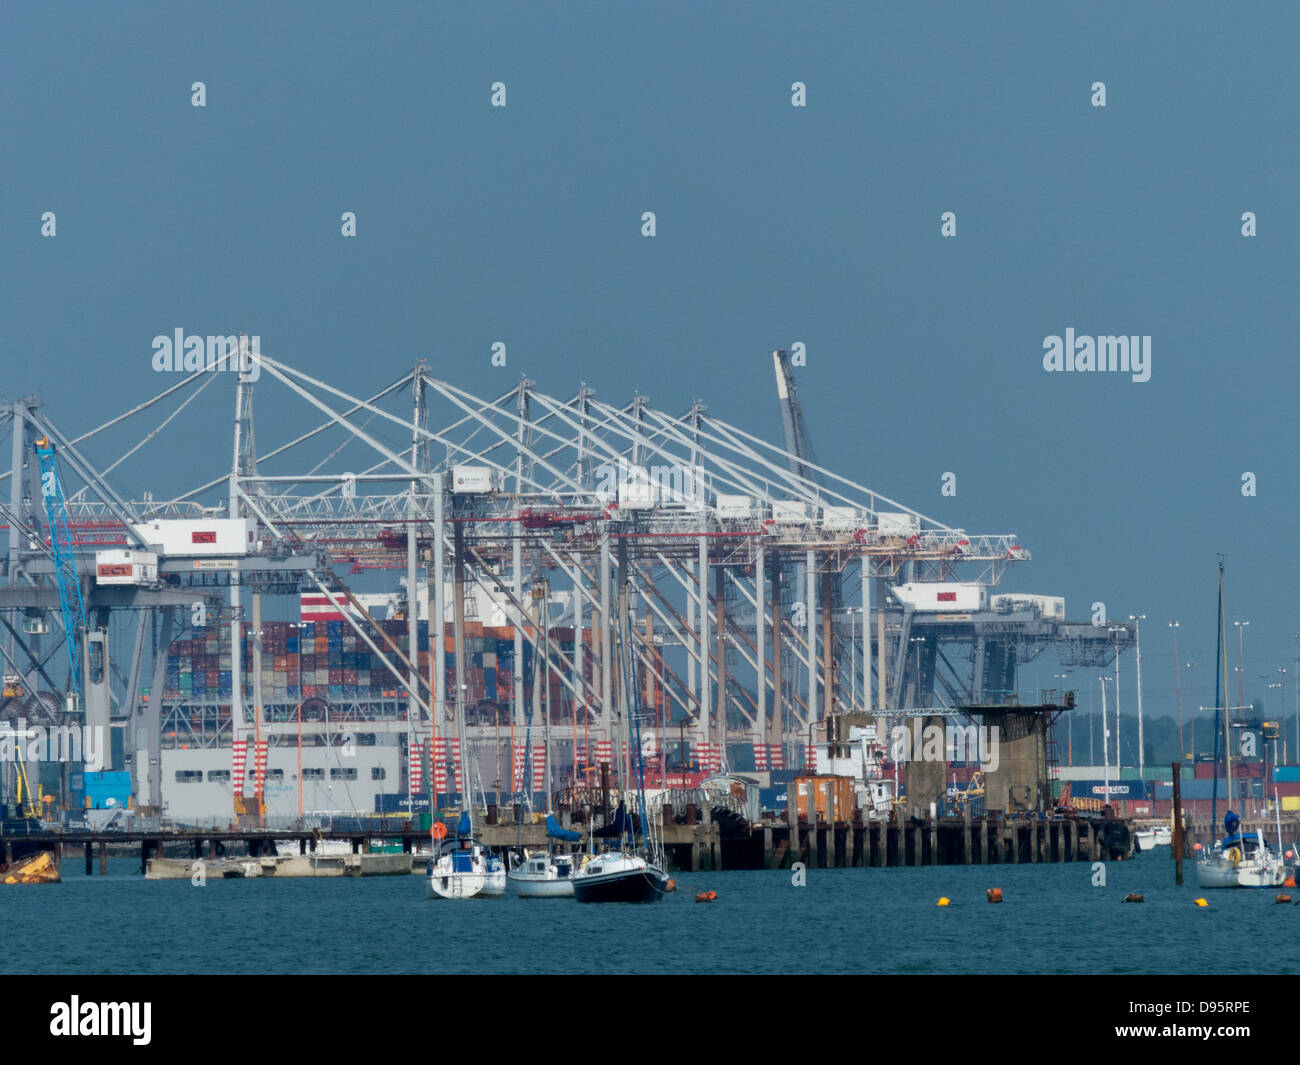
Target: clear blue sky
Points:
(775, 224)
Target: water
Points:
(842, 921)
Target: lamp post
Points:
(1282, 728)
(1192, 665)
(1137, 620)
(1296, 636)
(1117, 629)
(1105, 740)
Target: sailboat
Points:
(634, 872)
(463, 868)
(548, 875)
(1240, 859)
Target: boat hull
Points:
(529, 887)
(627, 883)
(472, 885)
(1222, 874)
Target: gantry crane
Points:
(65, 563)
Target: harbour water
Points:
(842, 921)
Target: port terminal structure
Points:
(756, 594)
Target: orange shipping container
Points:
(831, 798)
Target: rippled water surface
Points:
(842, 921)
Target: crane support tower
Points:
(65, 562)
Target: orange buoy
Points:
(1281, 898)
(1289, 882)
(706, 896)
(671, 885)
(1133, 896)
(994, 894)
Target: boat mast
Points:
(1223, 647)
(458, 547)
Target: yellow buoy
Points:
(943, 901)
(1201, 902)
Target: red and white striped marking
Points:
(415, 767)
(313, 606)
(238, 753)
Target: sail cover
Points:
(554, 830)
(463, 829)
(621, 823)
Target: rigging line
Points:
(323, 427)
(134, 410)
(141, 443)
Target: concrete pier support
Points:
(792, 817)
(89, 860)
(918, 846)
(884, 844)
(984, 841)
(103, 859)
(767, 848)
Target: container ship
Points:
(325, 700)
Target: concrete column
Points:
(965, 834)
(866, 636)
(918, 846)
(706, 694)
(761, 725)
(792, 819)
(810, 629)
(884, 844)
(776, 734)
(767, 848)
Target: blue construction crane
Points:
(65, 563)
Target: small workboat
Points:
(1157, 836)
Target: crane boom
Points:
(65, 563)
(797, 442)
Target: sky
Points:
(775, 224)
